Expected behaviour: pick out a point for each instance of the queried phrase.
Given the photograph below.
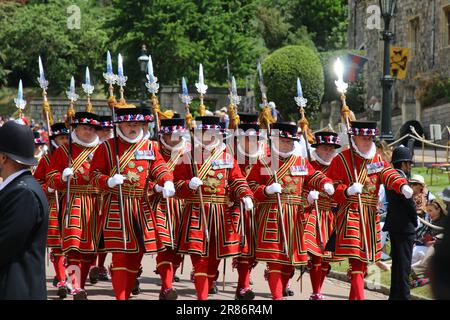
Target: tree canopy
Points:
(179, 34)
(281, 70)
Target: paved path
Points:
(150, 285)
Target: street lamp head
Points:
(388, 7)
(143, 59)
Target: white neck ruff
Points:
(369, 155)
(75, 139)
(283, 154)
(146, 135)
(177, 147)
(54, 144)
(315, 156)
(208, 147)
(255, 155)
(40, 153)
(109, 136)
(129, 140)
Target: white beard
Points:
(129, 140)
(75, 139)
(369, 155)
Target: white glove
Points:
(158, 188)
(115, 180)
(407, 191)
(169, 189)
(195, 183)
(313, 195)
(67, 172)
(248, 203)
(273, 188)
(328, 188)
(355, 188)
(50, 190)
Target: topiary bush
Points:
(280, 71)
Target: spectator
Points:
(424, 251)
(374, 107)
(23, 217)
(440, 264)
(445, 196)
(421, 196)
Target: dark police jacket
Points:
(23, 236)
(401, 212)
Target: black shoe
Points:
(288, 292)
(136, 290)
(103, 274)
(168, 294)
(176, 279)
(79, 294)
(55, 282)
(94, 275)
(245, 294)
(62, 290)
(213, 290)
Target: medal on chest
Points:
(374, 167)
(299, 170)
(144, 155)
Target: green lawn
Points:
(440, 181)
(384, 278)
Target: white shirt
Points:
(11, 178)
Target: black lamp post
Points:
(143, 61)
(387, 12)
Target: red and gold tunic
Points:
(326, 205)
(138, 162)
(54, 227)
(245, 164)
(159, 204)
(222, 179)
(293, 173)
(80, 233)
(372, 173)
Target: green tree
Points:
(180, 34)
(326, 20)
(322, 23)
(276, 32)
(281, 70)
(42, 29)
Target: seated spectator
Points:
(425, 247)
(421, 196)
(440, 265)
(445, 196)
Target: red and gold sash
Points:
(127, 156)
